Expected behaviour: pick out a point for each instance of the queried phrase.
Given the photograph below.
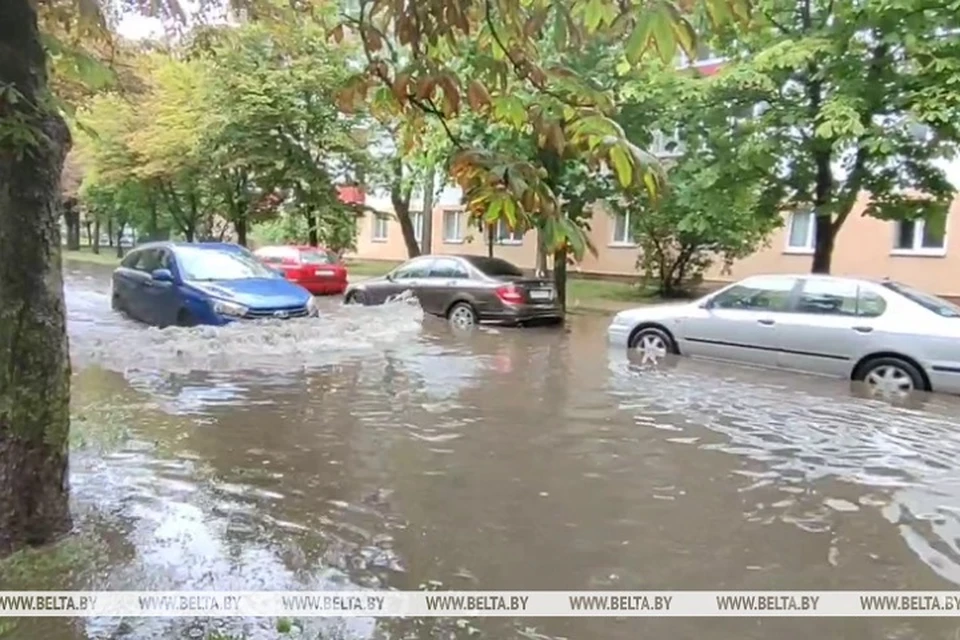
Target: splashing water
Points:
(100, 336)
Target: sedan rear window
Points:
(316, 257)
(495, 267)
(928, 301)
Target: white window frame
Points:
(504, 235)
(460, 231)
(624, 242)
(918, 249)
(806, 249)
(378, 219)
(417, 220)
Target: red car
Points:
(314, 269)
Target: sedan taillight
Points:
(510, 294)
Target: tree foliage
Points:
(722, 198)
(242, 120)
(857, 96)
(438, 59)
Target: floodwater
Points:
(378, 448)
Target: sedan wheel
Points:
(356, 297)
(892, 376)
(652, 345)
(462, 315)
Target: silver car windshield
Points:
(208, 264)
(938, 305)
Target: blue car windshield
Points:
(209, 264)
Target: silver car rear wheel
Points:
(462, 315)
(892, 376)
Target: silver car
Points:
(891, 336)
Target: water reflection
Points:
(500, 459)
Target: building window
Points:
(453, 226)
(417, 219)
(380, 228)
(666, 144)
(622, 234)
(802, 232)
(920, 236)
(505, 235)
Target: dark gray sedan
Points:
(465, 289)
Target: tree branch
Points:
(522, 67)
(378, 69)
(782, 29)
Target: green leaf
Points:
(493, 211)
(622, 165)
(510, 212)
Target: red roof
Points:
(351, 194)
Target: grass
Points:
(370, 268)
(107, 256)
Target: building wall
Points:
(864, 247)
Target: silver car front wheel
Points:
(652, 345)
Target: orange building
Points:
(917, 253)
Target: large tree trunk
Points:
(491, 230)
(34, 357)
(823, 244)
(95, 243)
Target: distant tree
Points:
(722, 198)
(857, 96)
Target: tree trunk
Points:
(313, 239)
(240, 226)
(560, 277)
(426, 237)
(402, 210)
(34, 355)
(823, 244)
(95, 242)
(110, 231)
(491, 238)
(120, 227)
(71, 216)
(153, 233)
(541, 255)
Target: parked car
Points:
(316, 270)
(170, 283)
(889, 335)
(465, 289)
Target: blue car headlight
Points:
(231, 309)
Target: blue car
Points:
(176, 283)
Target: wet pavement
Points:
(378, 448)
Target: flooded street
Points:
(378, 448)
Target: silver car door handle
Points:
(863, 329)
(766, 321)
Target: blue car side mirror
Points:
(162, 275)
